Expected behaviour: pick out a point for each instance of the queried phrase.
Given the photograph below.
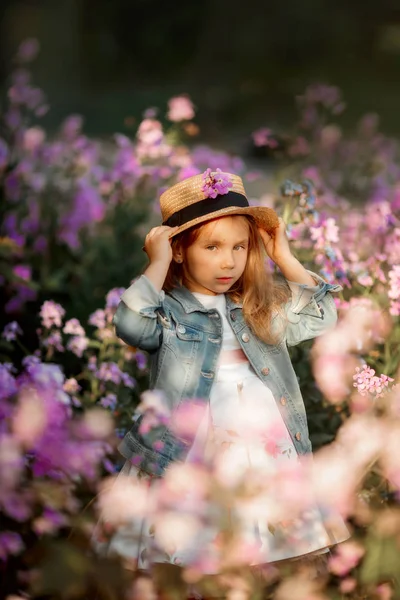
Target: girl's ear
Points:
(177, 255)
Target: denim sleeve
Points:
(136, 318)
(311, 310)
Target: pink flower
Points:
(180, 108)
(176, 529)
(33, 139)
(348, 585)
(346, 556)
(150, 132)
(29, 419)
(215, 183)
(71, 386)
(394, 290)
(123, 498)
(264, 137)
(98, 319)
(97, 424)
(78, 345)
(51, 314)
(73, 327)
(367, 382)
(187, 419)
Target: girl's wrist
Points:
(285, 260)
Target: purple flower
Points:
(51, 314)
(28, 50)
(11, 330)
(88, 208)
(72, 127)
(127, 380)
(40, 244)
(113, 297)
(188, 171)
(216, 183)
(10, 543)
(109, 371)
(141, 360)
(4, 154)
(47, 375)
(23, 271)
(24, 294)
(13, 118)
(109, 401)
(8, 384)
(17, 507)
(54, 340)
(122, 141)
(30, 361)
(150, 113)
(12, 189)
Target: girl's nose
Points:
(228, 261)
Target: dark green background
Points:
(242, 62)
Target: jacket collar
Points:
(191, 304)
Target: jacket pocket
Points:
(188, 334)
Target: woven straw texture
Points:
(189, 192)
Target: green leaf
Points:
(381, 560)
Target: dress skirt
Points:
(244, 432)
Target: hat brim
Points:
(266, 218)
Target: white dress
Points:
(244, 428)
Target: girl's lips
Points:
(224, 278)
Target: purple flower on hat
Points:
(215, 184)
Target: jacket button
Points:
(298, 436)
(265, 371)
(245, 337)
(181, 328)
(283, 401)
(233, 316)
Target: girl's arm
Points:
(159, 251)
(278, 249)
(136, 319)
(312, 309)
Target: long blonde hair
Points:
(257, 290)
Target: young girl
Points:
(217, 327)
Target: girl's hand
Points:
(157, 244)
(277, 244)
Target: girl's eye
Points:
(210, 247)
(240, 247)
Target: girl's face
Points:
(217, 258)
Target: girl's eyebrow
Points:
(216, 241)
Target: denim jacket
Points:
(184, 338)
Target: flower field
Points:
(74, 213)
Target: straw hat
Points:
(208, 196)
